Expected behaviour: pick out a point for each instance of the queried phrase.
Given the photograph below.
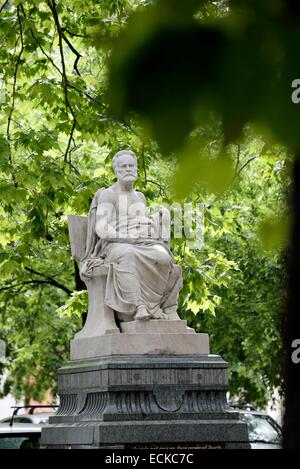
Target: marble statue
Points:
(143, 281)
(145, 378)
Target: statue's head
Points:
(124, 164)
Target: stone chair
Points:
(100, 318)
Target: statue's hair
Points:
(121, 153)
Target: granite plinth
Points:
(139, 401)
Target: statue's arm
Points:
(162, 221)
(106, 215)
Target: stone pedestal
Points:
(142, 338)
(145, 401)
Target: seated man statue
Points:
(142, 281)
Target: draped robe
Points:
(141, 270)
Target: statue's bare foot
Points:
(159, 315)
(142, 314)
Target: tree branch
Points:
(238, 158)
(70, 159)
(237, 173)
(73, 34)
(69, 85)
(14, 93)
(251, 158)
(38, 282)
(131, 129)
(15, 76)
(144, 163)
(146, 179)
(52, 6)
(69, 141)
(44, 52)
(50, 280)
(3, 6)
(84, 93)
(74, 52)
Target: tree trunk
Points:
(291, 330)
(79, 285)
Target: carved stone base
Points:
(154, 337)
(143, 402)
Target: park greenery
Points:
(65, 110)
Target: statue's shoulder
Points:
(141, 196)
(102, 195)
(106, 194)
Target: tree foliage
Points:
(57, 135)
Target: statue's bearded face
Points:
(126, 168)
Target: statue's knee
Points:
(164, 261)
(177, 271)
(130, 254)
